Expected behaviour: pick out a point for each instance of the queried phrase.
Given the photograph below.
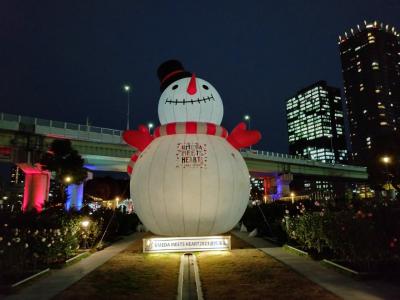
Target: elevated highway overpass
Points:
(22, 139)
(259, 163)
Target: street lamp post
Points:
(85, 224)
(386, 162)
(150, 126)
(292, 197)
(127, 89)
(248, 120)
(116, 202)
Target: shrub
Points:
(307, 230)
(364, 234)
(274, 213)
(29, 241)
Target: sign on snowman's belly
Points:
(191, 155)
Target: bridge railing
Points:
(303, 160)
(59, 124)
(274, 154)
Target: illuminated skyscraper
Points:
(17, 176)
(370, 56)
(316, 124)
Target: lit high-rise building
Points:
(370, 56)
(17, 176)
(316, 124)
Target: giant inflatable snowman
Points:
(189, 178)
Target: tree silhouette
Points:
(65, 161)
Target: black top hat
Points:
(170, 71)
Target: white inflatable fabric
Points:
(190, 185)
(176, 105)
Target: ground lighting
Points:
(85, 223)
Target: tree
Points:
(66, 162)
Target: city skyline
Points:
(71, 56)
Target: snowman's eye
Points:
(205, 87)
(175, 87)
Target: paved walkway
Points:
(339, 284)
(58, 280)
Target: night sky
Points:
(68, 60)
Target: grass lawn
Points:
(130, 275)
(248, 273)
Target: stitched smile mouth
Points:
(191, 101)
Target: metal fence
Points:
(274, 154)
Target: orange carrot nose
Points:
(191, 89)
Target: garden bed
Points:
(32, 242)
(361, 240)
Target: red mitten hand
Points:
(242, 138)
(138, 139)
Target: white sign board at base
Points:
(186, 244)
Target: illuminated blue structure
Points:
(74, 197)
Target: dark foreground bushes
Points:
(365, 234)
(31, 242)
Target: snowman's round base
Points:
(190, 185)
(187, 244)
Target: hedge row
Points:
(365, 235)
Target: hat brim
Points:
(178, 76)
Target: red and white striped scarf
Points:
(190, 128)
(182, 128)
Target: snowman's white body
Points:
(177, 198)
(190, 184)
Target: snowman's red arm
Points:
(138, 139)
(141, 138)
(240, 137)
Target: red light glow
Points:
(5, 151)
(267, 185)
(36, 188)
